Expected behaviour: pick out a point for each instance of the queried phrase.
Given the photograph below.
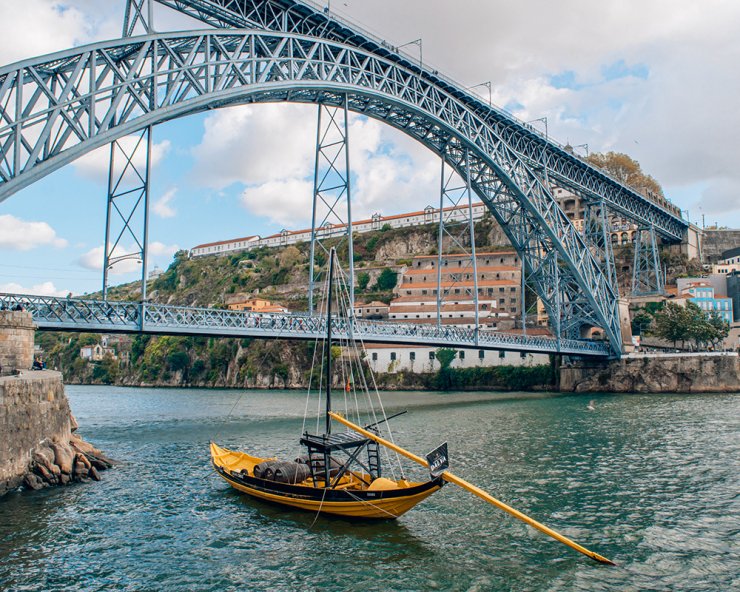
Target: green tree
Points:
(363, 279)
(444, 378)
(720, 328)
(671, 323)
(642, 322)
(107, 370)
(445, 356)
(387, 279)
(178, 360)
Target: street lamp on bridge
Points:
(542, 120)
(418, 43)
(490, 91)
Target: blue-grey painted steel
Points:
(647, 276)
(562, 165)
(98, 316)
(54, 109)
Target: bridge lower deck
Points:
(98, 316)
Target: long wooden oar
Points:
(449, 477)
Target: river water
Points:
(650, 481)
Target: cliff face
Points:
(681, 373)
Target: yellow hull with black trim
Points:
(351, 498)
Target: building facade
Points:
(428, 215)
(254, 305)
(398, 358)
(703, 295)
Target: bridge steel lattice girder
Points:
(540, 152)
(116, 88)
(97, 316)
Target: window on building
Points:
(375, 356)
(393, 356)
(412, 356)
(502, 354)
(432, 356)
(481, 354)
(461, 355)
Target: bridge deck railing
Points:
(78, 314)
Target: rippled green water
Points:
(651, 482)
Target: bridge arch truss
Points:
(56, 108)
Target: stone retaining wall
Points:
(16, 341)
(33, 408)
(679, 373)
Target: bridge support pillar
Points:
(331, 215)
(647, 275)
(127, 213)
(596, 230)
(457, 235)
(625, 325)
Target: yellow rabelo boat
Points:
(341, 472)
(354, 486)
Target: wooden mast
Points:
(328, 345)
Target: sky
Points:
(657, 79)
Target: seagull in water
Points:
(591, 406)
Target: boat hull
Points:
(367, 504)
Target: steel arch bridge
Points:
(56, 108)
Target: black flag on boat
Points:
(438, 460)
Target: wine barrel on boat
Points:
(291, 472)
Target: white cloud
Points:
(54, 27)
(93, 259)
(162, 206)
(285, 202)
(679, 120)
(94, 165)
(157, 249)
(269, 149)
(20, 235)
(255, 145)
(44, 289)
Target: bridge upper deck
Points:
(541, 151)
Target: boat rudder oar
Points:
(450, 478)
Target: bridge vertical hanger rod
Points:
(350, 239)
(108, 204)
(524, 300)
(331, 214)
(440, 239)
(145, 242)
(456, 225)
(312, 253)
(471, 228)
(136, 15)
(558, 299)
(127, 213)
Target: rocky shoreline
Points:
(61, 463)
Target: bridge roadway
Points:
(97, 316)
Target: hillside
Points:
(278, 274)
